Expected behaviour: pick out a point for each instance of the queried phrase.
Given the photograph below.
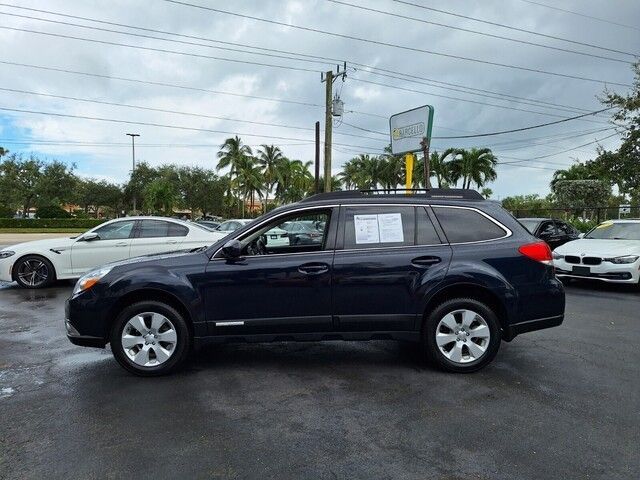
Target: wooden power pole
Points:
(329, 77)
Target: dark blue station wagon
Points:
(444, 268)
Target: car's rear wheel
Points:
(34, 271)
(461, 335)
(150, 338)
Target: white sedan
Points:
(37, 264)
(609, 253)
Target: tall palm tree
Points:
(392, 169)
(294, 180)
(268, 158)
(249, 181)
(440, 169)
(233, 154)
(477, 165)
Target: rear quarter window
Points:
(463, 225)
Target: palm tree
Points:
(233, 154)
(440, 169)
(476, 165)
(294, 180)
(392, 169)
(268, 158)
(249, 181)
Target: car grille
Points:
(592, 261)
(571, 259)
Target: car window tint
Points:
(176, 230)
(463, 225)
(375, 227)
(154, 228)
(547, 229)
(565, 228)
(426, 232)
(116, 230)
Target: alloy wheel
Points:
(463, 336)
(149, 339)
(33, 273)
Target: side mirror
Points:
(90, 237)
(232, 249)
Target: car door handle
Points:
(172, 241)
(122, 244)
(426, 261)
(313, 268)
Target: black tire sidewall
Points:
(429, 334)
(178, 357)
(51, 277)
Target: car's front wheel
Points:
(34, 271)
(462, 335)
(150, 338)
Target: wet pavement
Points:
(561, 403)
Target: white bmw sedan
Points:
(39, 263)
(609, 253)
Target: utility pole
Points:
(329, 77)
(133, 169)
(317, 166)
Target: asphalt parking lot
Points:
(560, 403)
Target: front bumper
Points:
(81, 329)
(605, 272)
(6, 265)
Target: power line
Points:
(611, 22)
(291, 55)
(517, 29)
(151, 124)
(159, 50)
(467, 30)
(68, 143)
(393, 45)
(161, 110)
(506, 107)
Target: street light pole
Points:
(133, 169)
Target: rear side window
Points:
(176, 230)
(376, 227)
(462, 225)
(158, 228)
(425, 231)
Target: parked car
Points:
(609, 253)
(39, 263)
(445, 268)
(210, 224)
(233, 224)
(303, 232)
(554, 232)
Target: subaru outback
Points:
(445, 268)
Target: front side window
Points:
(115, 230)
(547, 229)
(287, 235)
(376, 227)
(462, 225)
(565, 228)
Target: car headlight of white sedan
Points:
(6, 254)
(624, 260)
(90, 279)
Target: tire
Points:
(34, 271)
(142, 350)
(472, 341)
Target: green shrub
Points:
(43, 223)
(582, 225)
(52, 211)
(6, 212)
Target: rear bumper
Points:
(611, 277)
(533, 325)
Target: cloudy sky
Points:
(188, 77)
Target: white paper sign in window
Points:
(380, 228)
(366, 228)
(390, 225)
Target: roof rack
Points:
(445, 193)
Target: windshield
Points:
(529, 224)
(616, 231)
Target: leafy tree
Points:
(160, 196)
(51, 211)
(56, 184)
(140, 179)
(581, 194)
(3, 152)
(577, 171)
(92, 195)
(532, 204)
(19, 181)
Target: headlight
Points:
(622, 260)
(90, 279)
(557, 256)
(6, 254)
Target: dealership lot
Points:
(559, 403)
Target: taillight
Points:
(539, 251)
